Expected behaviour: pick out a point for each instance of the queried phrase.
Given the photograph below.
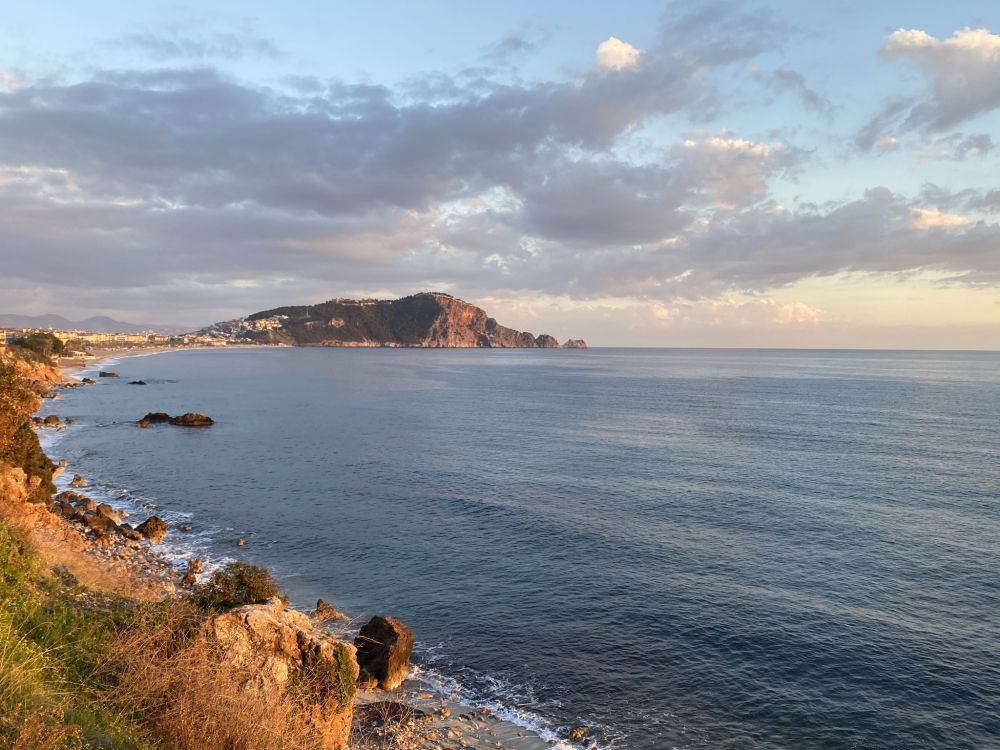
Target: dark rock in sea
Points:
(137, 382)
(88, 381)
(153, 528)
(185, 527)
(51, 421)
(192, 419)
(195, 565)
(78, 481)
(325, 612)
(107, 374)
(384, 645)
(154, 417)
(578, 733)
(69, 421)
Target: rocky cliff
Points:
(430, 319)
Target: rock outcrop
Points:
(154, 529)
(282, 650)
(192, 419)
(384, 646)
(430, 319)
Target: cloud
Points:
(962, 72)
(221, 46)
(793, 82)
(932, 218)
(614, 54)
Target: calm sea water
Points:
(718, 549)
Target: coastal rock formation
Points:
(137, 382)
(154, 529)
(107, 374)
(384, 645)
(430, 319)
(192, 419)
(78, 482)
(281, 650)
(326, 612)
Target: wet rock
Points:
(96, 522)
(185, 527)
(107, 374)
(129, 533)
(78, 481)
(137, 382)
(325, 612)
(51, 421)
(578, 733)
(384, 645)
(88, 381)
(192, 419)
(154, 417)
(240, 542)
(153, 528)
(195, 565)
(69, 421)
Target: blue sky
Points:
(755, 169)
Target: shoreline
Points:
(442, 719)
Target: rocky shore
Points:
(365, 700)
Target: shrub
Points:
(18, 442)
(323, 679)
(237, 584)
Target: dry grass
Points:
(190, 696)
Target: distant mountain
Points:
(430, 319)
(96, 324)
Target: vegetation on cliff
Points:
(429, 319)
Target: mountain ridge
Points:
(93, 324)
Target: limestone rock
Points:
(575, 344)
(279, 647)
(384, 645)
(153, 528)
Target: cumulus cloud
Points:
(614, 54)
(962, 72)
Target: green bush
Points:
(45, 344)
(237, 584)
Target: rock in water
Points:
(192, 419)
(107, 374)
(88, 381)
(384, 645)
(153, 528)
(78, 481)
(137, 382)
(327, 612)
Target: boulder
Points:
(154, 417)
(107, 374)
(384, 645)
(192, 419)
(98, 523)
(108, 512)
(282, 651)
(137, 382)
(78, 481)
(325, 612)
(88, 381)
(188, 580)
(70, 421)
(129, 533)
(578, 733)
(51, 421)
(195, 565)
(153, 529)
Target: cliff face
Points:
(420, 320)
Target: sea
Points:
(677, 548)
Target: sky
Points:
(717, 173)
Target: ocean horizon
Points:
(718, 548)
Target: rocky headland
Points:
(430, 319)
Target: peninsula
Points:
(429, 319)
